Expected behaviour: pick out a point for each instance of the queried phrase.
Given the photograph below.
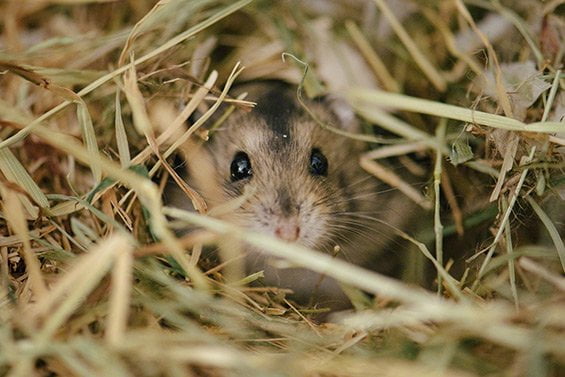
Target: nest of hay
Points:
(97, 97)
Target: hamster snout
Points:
(293, 195)
(287, 229)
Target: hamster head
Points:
(304, 182)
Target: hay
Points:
(96, 96)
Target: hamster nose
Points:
(288, 231)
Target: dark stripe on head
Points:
(276, 107)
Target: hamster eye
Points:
(318, 163)
(240, 167)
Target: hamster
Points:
(307, 185)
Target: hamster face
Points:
(306, 183)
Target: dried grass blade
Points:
(551, 97)
(65, 208)
(377, 116)
(83, 234)
(508, 162)
(456, 211)
(39, 80)
(188, 110)
(181, 140)
(81, 280)
(394, 180)
(506, 216)
(367, 100)
(121, 136)
(89, 136)
(511, 264)
(137, 29)
(451, 42)
(141, 120)
(520, 24)
(14, 172)
(551, 229)
(421, 60)
(181, 118)
(4, 285)
(372, 58)
(493, 59)
(396, 150)
(14, 215)
(550, 276)
(438, 227)
(120, 296)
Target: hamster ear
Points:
(343, 113)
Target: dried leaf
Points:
(522, 83)
(460, 151)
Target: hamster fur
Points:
(308, 186)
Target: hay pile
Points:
(95, 97)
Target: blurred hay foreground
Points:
(95, 98)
